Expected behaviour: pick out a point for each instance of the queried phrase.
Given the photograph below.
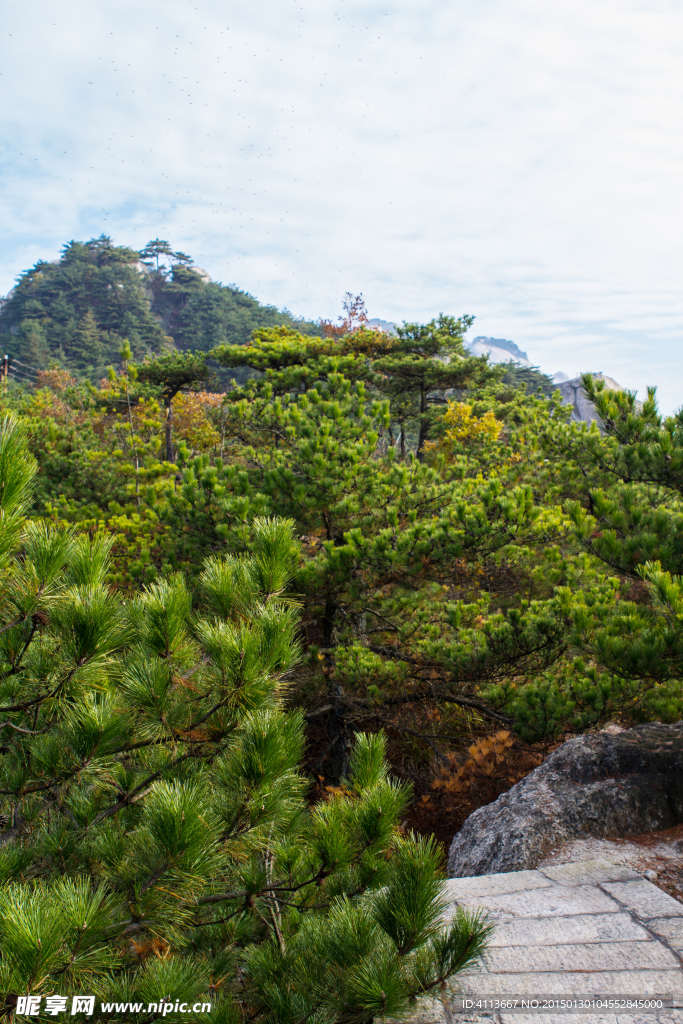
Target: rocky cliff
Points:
(574, 395)
(499, 350)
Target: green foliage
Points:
(528, 377)
(78, 311)
(399, 560)
(157, 842)
(428, 359)
(287, 361)
(216, 314)
(459, 544)
(17, 471)
(412, 369)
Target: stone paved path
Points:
(589, 928)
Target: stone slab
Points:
(589, 872)
(643, 899)
(556, 901)
(662, 1017)
(493, 885)
(575, 983)
(585, 928)
(671, 929)
(648, 955)
(582, 929)
(433, 1012)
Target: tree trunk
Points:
(341, 734)
(169, 432)
(424, 427)
(132, 441)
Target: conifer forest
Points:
(283, 602)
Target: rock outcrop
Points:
(499, 350)
(603, 785)
(573, 394)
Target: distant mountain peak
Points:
(507, 346)
(498, 350)
(383, 325)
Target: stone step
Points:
(574, 931)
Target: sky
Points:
(516, 160)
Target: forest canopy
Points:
(272, 591)
(78, 310)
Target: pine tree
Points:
(402, 564)
(34, 347)
(153, 250)
(412, 369)
(173, 373)
(428, 360)
(157, 845)
(629, 517)
(284, 361)
(87, 349)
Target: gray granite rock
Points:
(604, 785)
(573, 394)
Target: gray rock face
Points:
(606, 785)
(573, 394)
(499, 350)
(384, 325)
(501, 343)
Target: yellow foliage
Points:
(191, 422)
(47, 403)
(55, 380)
(463, 427)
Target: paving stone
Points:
(575, 983)
(644, 899)
(605, 956)
(663, 1017)
(432, 1011)
(493, 885)
(586, 928)
(671, 929)
(589, 872)
(590, 928)
(557, 901)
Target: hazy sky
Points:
(518, 160)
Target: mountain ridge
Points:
(502, 344)
(78, 310)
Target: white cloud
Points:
(517, 160)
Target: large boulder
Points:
(606, 785)
(573, 394)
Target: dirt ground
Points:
(658, 856)
(443, 813)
